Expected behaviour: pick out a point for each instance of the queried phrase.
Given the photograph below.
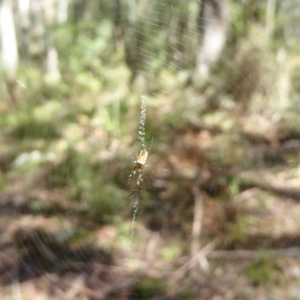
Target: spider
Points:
(138, 169)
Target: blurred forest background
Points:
(218, 213)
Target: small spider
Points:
(139, 169)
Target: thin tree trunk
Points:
(119, 35)
(270, 17)
(51, 58)
(213, 24)
(9, 48)
(23, 27)
(63, 11)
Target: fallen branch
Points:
(248, 254)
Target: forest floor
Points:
(250, 245)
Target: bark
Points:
(213, 24)
(9, 48)
(118, 30)
(63, 11)
(52, 72)
(23, 27)
(270, 17)
(37, 43)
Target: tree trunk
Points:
(52, 72)
(270, 17)
(9, 49)
(213, 24)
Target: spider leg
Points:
(138, 186)
(131, 192)
(129, 179)
(140, 165)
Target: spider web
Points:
(220, 162)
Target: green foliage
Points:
(264, 271)
(40, 207)
(237, 232)
(171, 252)
(90, 185)
(32, 129)
(38, 121)
(242, 13)
(91, 47)
(77, 237)
(149, 288)
(105, 202)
